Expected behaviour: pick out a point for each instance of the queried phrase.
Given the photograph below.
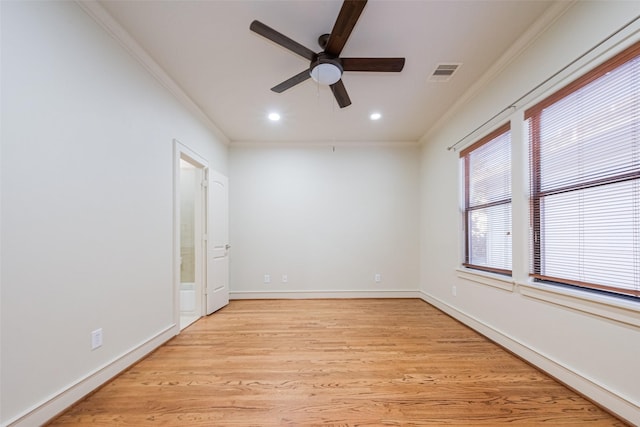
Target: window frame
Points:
(533, 115)
(468, 209)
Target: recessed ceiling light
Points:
(375, 116)
(274, 117)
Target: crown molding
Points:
(115, 30)
(550, 16)
(321, 144)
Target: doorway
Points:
(191, 214)
(201, 238)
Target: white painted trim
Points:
(323, 294)
(619, 405)
(505, 283)
(55, 404)
(608, 307)
(180, 151)
(181, 148)
(306, 144)
(1, 199)
(111, 26)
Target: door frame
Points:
(181, 151)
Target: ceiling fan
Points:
(326, 67)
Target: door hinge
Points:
(204, 183)
(204, 237)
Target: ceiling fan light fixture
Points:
(326, 73)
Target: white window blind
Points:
(487, 202)
(585, 180)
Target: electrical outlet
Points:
(285, 279)
(378, 278)
(454, 291)
(96, 339)
(267, 278)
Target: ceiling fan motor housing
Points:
(323, 40)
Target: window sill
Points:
(608, 307)
(505, 283)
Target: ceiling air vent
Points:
(444, 72)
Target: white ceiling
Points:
(206, 47)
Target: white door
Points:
(217, 242)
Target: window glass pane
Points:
(490, 237)
(592, 134)
(582, 243)
(490, 171)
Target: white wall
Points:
(86, 220)
(329, 220)
(87, 205)
(596, 354)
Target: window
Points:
(487, 202)
(585, 180)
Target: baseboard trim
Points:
(589, 388)
(618, 405)
(49, 408)
(323, 294)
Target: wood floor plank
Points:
(397, 362)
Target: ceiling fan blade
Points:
(373, 64)
(289, 83)
(282, 40)
(347, 18)
(341, 94)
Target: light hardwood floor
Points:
(388, 362)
